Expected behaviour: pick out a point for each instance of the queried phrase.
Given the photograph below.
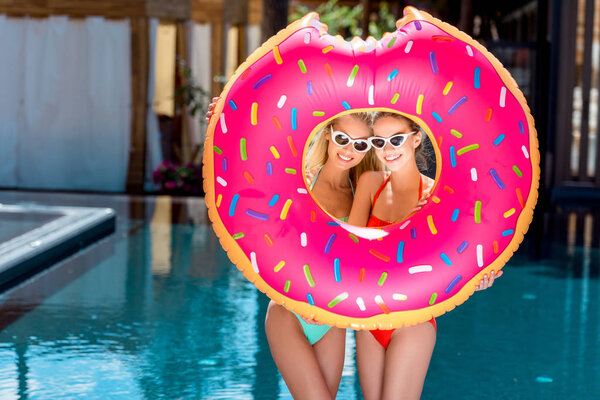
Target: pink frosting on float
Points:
(484, 180)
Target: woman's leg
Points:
(330, 352)
(407, 360)
(370, 360)
(296, 359)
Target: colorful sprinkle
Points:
(221, 181)
(268, 239)
(468, 148)
(413, 233)
(329, 243)
(290, 171)
(435, 199)
(302, 191)
(254, 114)
(277, 123)
(436, 116)
(277, 55)
(217, 150)
(378, 255)
(499, 139)
(517, 171)
(420, 268)
(294, 116)
(452, 157)
(261, 81)
(313, 216)
(303, 239)
(488, 115)
(503, 96)
(232, 105)
(224, 164)
(310, 299)
(371, 95)
(308, 276)
(495, 245)
(273, 200)
(361, 303)
(328, 70)
(274, 152)
(352, 76)
(382, 278)
(353, 237)
(447, 88)
(473, 174)
(286, 288)
(509, 213)
(441, 38)
(392, 75)
(248, 177)
(453, 283)
(222, 122)
(246, 73)
(446, 259)
(497, 178)
(404, 225)
(455, 214)
(395, 98)
(433, 63)
(285, 209)
(279, 265)
(233, 204)
(361, 274)
(281, 101)
(432, 299)
(463, 246)
(469, 51)
(408, 46)
(478, 212)
(290, 141)
(480, 255)
(521, 128)
(327, 49)
(307, 38)
(333, 223)
(318, 113)
(339, 297)
(431, 225)
(456, 133)
(418, 25)
(381, 304)
(525, 152)
(477, 78)
(309, 88)
(448, 189)
(399, 296)
(269, 168)
(302, 66)
(257, 215)
(219, 199)
(520, 197)
(391, 42)
(420, 104)
(457, 104)
(346, 105)
(439, 141)
(508, 232)
(336, 270)
(253, 262)
(238, 235)
(400, 252)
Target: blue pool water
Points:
(158, 311)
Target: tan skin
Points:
(399, 371)
(315, 371)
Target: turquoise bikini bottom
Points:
(313, 332)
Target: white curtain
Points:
(153, 149)
(199, 62)
(65, 103)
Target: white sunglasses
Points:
(396, 140)
(342, 139)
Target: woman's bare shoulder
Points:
(371, 179)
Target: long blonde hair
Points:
(317, 155)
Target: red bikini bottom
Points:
(384, 336)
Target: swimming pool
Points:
(158, 311)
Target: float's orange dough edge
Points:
(396, 319)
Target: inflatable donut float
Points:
(487, 171)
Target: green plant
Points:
(346, 21)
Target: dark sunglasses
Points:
(396, 140)
(341, 139)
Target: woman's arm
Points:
(361, 206)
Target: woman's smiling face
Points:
(396, 158)
(346, 156)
